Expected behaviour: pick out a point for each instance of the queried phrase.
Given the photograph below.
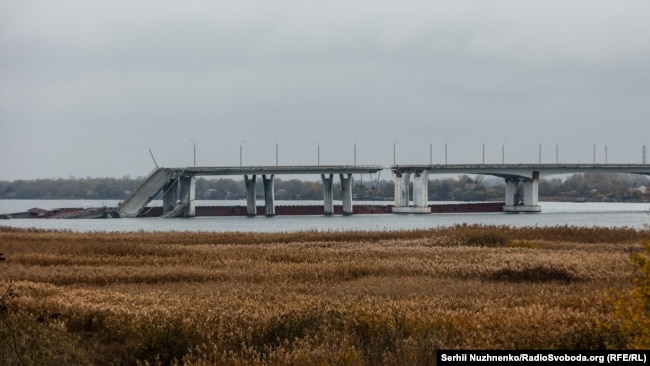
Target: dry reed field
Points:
(312, 298)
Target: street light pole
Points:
(503, 151)
(446, 142)
(241, 143)
(194, 144)
(156, 164)
(594, 153)
(394, 152)
(276, 152)
(557, 152)
(319, 141)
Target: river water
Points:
(601, 214)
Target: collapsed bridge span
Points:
(178, 187)
(138, 199)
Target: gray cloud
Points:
(86, 87)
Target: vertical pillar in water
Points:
(251, 207)
(512, 192)
(530, 194)
(188, 195)
(402, 189)
(328, 194)
(346, 188)
(421, 189)
(522, 195)
(269, 195)
(170, 195)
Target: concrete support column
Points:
(269, 195)
(188, 195)
(346, 187)
(170, 195)
(251, 206)
(531, 193)
(402, 189)
(522, 195)
(513, 197)
(421, 189)
(328, 194)
(420, 192)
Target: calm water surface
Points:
(635, 215)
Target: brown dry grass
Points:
(340, 298)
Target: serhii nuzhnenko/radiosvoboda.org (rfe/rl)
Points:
(523, 357)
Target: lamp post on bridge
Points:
(394, 152)
(503, 151)
(276, 152)
(446, 142)
(539, 160)
(319, 141)
(557, 152)
(156, 164)
(594, 153)
(194, 145)
(430, 152)
(643, 153)
(241, 143)
(355, 153)
(606, 151)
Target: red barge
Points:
(110, 212)
(473, 207)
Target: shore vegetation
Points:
(317, 298)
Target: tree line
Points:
(590, 186)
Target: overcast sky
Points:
(87, 87)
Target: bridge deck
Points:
(523, 170)
(304, 169)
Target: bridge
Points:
(178, 187)
(521, 181)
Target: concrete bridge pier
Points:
(170, 195)
(522, 195)
(421, 192)
(188, 195)
(346, 187)
(269, 195)
(328, 194)
(251, 206)
(401, 191)
(179, 197)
